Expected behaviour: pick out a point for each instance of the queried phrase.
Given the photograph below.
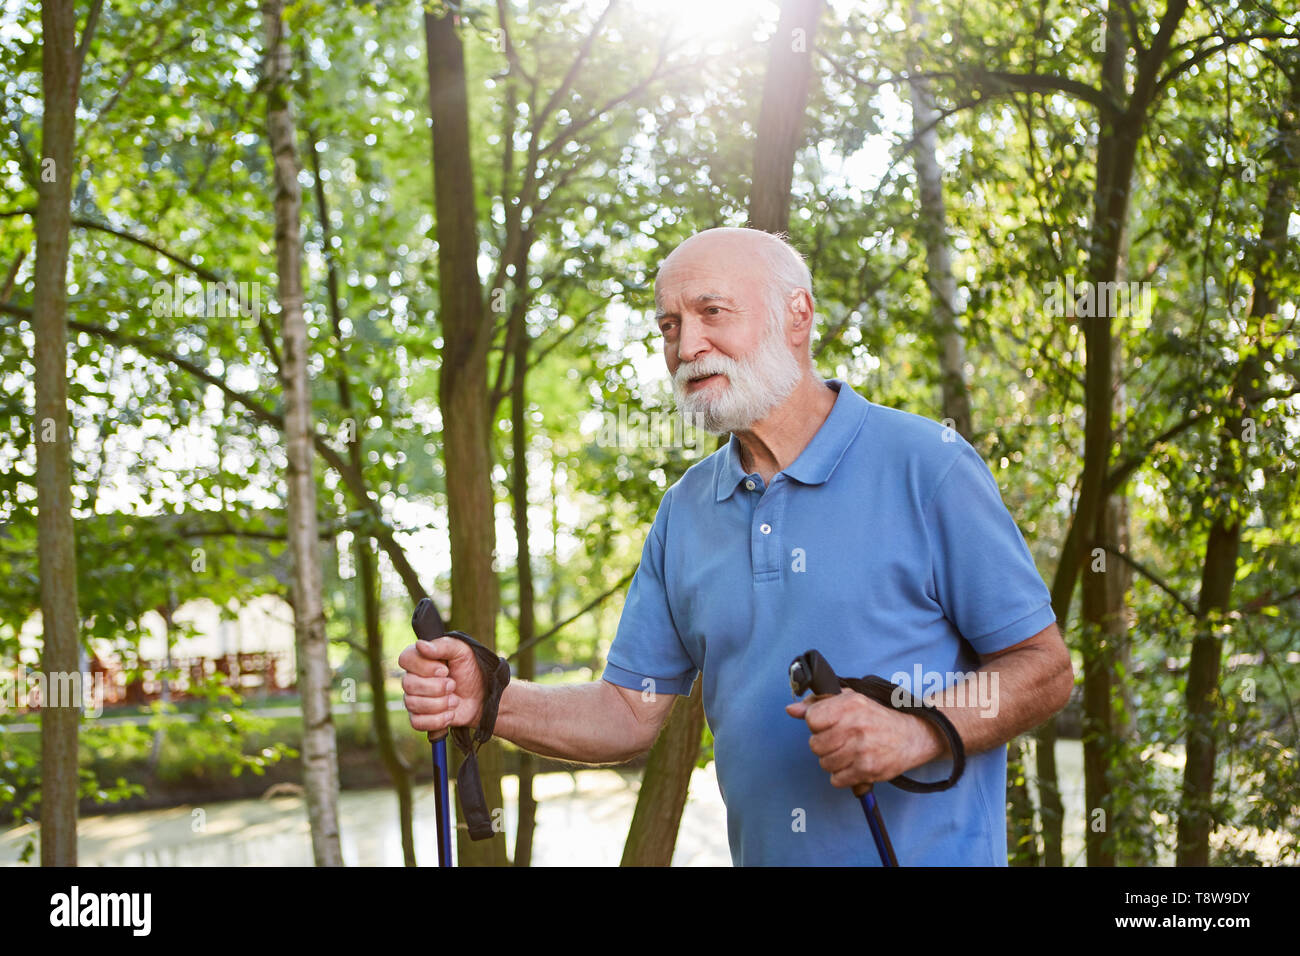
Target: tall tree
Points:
(781, 114)
(939, 276)
(527, 659)
(1104, 583)
(1123, 117)
(363, 550)
(1223, 544)
(320, 748)
(463, 383)
(62, 59)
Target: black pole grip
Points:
(810, 671)
(428, 626)
(427, 622)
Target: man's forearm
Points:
(1007, 696)
(584, 722)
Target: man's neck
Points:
(775, 442)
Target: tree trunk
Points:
(463, 384)
(1022, 836)
(398, 772)
(781, 115)
(1111, 210)
(1126, 728)
(653, 834)
(1195, 819)
(320, 752)
(1117, 146)
(1104, 643)
(933, 221)
(1116, 154)
(367, 573)
(57, 544)
(526, 663)
(1126, 737)
(167, 612)
(1097, 644)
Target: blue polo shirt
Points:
(887, 547)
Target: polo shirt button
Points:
(765, 528)
(749, 483)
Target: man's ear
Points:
(801, 307)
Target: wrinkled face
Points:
(727, 355)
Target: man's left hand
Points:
(860, 742)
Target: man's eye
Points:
(713, 309)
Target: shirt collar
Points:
(817, 461)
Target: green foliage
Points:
(218, 742)
(19, 786)
(612, 157)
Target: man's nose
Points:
(691, 341)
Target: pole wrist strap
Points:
(892, 695)
(811, 671)
(469, 787)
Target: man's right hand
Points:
(442, 686)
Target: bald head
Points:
(761, 260)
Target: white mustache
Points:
(701, 368)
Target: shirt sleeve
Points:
(647, 653)
(984, 575)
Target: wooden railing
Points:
(254, 673)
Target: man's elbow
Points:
(637, 718)
(628, 743)
(635, 743)
(1053, 672)
(1061, 684)
(644, 735)
(640, 748)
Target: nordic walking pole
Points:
(428, 626)
(809, 673)
(878, 832)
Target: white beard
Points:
(755, 385)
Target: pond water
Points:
(582, 820)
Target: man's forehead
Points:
(690, 279)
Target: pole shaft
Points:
(878, 832)
(442, 801)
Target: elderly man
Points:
(830, 522)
